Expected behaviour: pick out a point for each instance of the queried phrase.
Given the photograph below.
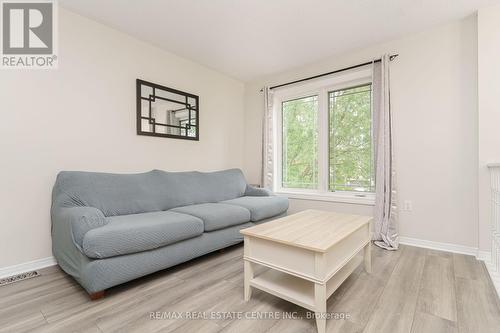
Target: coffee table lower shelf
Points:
(298, 290)
(309, 254)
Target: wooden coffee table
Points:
(309, 255)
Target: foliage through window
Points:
(350, 136)
(300, 142)
(336, 156)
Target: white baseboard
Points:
(462, 249)
(483, 256)
(27, 267)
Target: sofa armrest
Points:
(253, 191)
(81, 220)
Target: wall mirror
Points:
(166, 112)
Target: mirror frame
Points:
(139, 84)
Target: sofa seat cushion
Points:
(216, 215)
(139, 232)
(261, 207)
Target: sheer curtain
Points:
(385, 212)
(267, 141)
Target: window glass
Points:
(300, 143)
(350, 140)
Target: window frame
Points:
(321, 88)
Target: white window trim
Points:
(321, 88)
(360, 198)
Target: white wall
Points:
(489, 110)
(82, 117)
(434, 100)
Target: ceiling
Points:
(247, 39)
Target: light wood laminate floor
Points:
(410, 290)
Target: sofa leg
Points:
(97, 295)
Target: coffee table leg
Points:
(320, 301)
(248, 275)
(368, 257)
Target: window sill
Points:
(366, 199)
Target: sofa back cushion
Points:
(122, 194)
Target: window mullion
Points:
(278, 138)
(323, 140)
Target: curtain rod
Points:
(391, 57)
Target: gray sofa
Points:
(108, 229)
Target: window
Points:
(300, 166)
(324, 138)
(350, 140)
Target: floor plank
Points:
(360, 300)
(396, 306)
(477, 307)
(410, 290)
(24, 321)
(138, 319)
(437, 290)
(425, 323)
(467, 267)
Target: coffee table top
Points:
(310, 229)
